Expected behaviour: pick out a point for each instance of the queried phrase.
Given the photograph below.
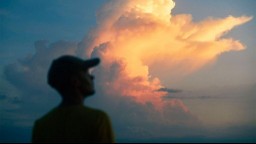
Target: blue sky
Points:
(27, 22)
(223, 92)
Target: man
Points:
(71, 121)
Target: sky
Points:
(171, 71)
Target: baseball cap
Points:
(63, 67)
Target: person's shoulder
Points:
(96, 112)
(46, 116)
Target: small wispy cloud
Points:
(169, 90)
(201, 97)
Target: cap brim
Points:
(91, 62)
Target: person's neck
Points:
(71, 99)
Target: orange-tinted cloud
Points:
(135, 36)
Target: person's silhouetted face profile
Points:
(70, 77)
(71, 121)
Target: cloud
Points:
(29, 74)
(137, 38)
(140, 37)
(134, 39)
(170, 90)
(194, 97)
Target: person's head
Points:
(71, 74)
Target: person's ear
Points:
(75, 81)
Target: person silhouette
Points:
(72, 121)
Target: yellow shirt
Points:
(73, 124)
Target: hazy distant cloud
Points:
(29, 74)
